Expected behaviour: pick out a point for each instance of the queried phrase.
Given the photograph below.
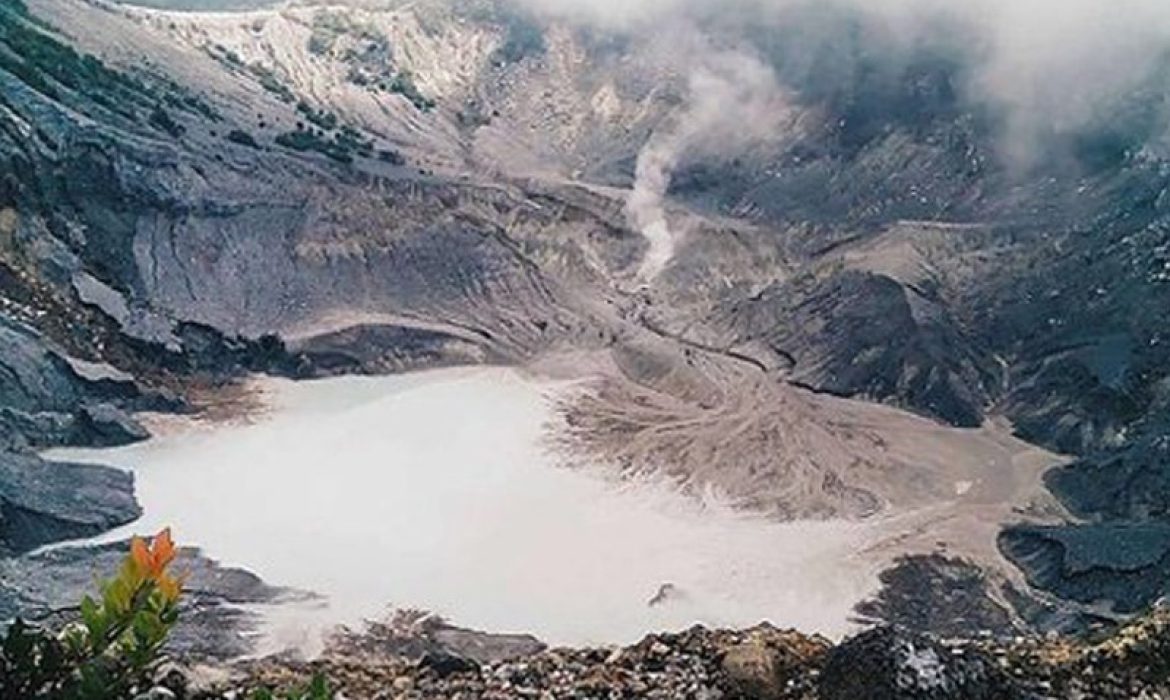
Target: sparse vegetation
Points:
(226, 56)
(473, 115)
(42, 62)
(329, 27)
(162, 120)
(317, 689)
(352, 139)
(178, 98)
(391, 157)
(309, 140)
(320, 117)
(34, 55)
(271, 83)
(403, 84)
(523, 34)
(264, 75)
(243, 138)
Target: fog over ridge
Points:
(1048, 66)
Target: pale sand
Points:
(432, 491)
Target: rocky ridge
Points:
(762, 663)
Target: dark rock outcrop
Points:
(856, 333)
(106, 425)
(1121, 565)
(938, 594)
(46, 586)
(1130, 483)
(43, 502)
(45, 402)
(886, 664)
(368, 348)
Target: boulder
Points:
(443, 664)
(106, 425)
(754, 671)
(43, 502)
(766, 663)
(886, 663)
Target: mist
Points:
(1044, 66)
(732, 102)
(434, 491)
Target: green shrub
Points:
(41, 61)
(351, 139)
(523, 35)
(243, 138)
(271, 83)
(323, 118)
(317, 689)
(308, 140)
(391, 157)
(114, 648)
(403, 84)
(162, 120)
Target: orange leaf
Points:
(170, 587)
(140, 555)
(164, 551)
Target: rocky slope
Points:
(310, 190)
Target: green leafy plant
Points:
(112, 651)
(317, 689)
(403, 84)
(320, 117)
(243, 138)
(162, 120)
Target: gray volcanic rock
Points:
(882, 664)
(19, 430)
(937, 594)
(887, 664)
(370, 348)
(660, 667)
(414, 635)
(106, 425)
(855, 333)
(32, 377)
(46, 401)
(44, 587)
(43, 502)
(1128, 483)
(1123, 565)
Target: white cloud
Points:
(1050, 63)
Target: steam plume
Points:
(733, 102)
(1049, 66)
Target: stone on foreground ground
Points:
(421, 658)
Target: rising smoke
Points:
(733, 101)
(1048, 65)
(1047, 70)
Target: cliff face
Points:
(317, 190)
